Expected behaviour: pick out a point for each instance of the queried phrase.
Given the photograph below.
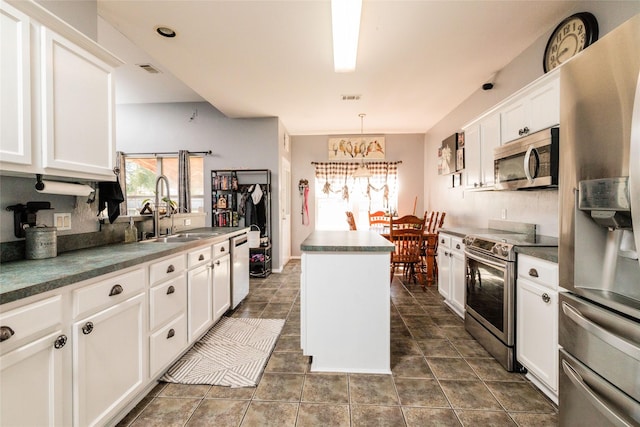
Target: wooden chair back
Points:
(407, 235)
(378, 219)
(436, 219)
(351, 220)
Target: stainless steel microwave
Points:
(529, 162)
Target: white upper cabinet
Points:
(57, 97)
(15, 86)
(534, 108)
(481, 138)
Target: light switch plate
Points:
(62, 221)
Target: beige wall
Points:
(409, 148)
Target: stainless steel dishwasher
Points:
(239, 269)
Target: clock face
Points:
(570, 37)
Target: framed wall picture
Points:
(357, 147)
(449, 146)
(459, 159)
(460, 139)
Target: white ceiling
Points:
(417, 60)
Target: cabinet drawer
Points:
(166, 344)
(199, 256)
(220, 249)
(23, 323)
(538, 271)
(167, 300)
(457, 245)
(167, 268)
(444, 241)
(108, 292)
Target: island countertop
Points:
(346, 241)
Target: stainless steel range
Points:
(490, 296)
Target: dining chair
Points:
(378, 219)
(407, 234)
(351, 220)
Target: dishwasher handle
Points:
(240, 241)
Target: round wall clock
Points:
(570, 37)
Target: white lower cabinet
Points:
(109, 360)
(221, 286)
(537, 322)
(451, 272)
(200, 285)
(32, 376)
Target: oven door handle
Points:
(613, 340)
(486, 260)
(586, 391)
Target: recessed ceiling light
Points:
(165, 31)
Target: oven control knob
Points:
(505, 251)
(496, 248)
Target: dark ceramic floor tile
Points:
(291, 328)
(378, 416)
(326, 388)
(456, 332)
(426, 332)
(230, 393)
(524, 419)
(314, 415)
(184, 390)
(259, 295)
(133, 414)
(451, 369)
(412, 309)
(288, 343)
(418, 321)
(404, 347)
(485, 418)
(372, 390)
(437, 347)
(420, 392)
(469, 395)
(167, 412)
(489, 369)
(469, 348)
(267, 414)
(446, 320)
(410, 367)
(283, 387)
(287, 362)
(432, 417)
(219, 413)
(520, 397)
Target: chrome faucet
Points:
(156, 212)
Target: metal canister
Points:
(41, 242)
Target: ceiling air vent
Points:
(350, 97)
(149, 68)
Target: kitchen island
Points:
(345, 294)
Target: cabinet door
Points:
(15, 86)
(200, 313)
(78, 123)
(109, 361)
(537, 331)
(489, 141)
(444, 273)
(458, 280)
(513, 119)
(472, 170)
(544, 109)
(31, 383)
(221, 286)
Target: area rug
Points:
(233, 353)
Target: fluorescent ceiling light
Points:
(345, 18)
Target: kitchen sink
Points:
(183, 237)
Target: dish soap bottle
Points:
(131, 233)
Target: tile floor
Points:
(441, 376)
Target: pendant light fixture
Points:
(362, 171)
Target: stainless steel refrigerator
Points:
(599, 192)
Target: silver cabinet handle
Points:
(533, 272)
(613, 340)
(116, 290)
(201, 257)
(586, 391)
(60, 341)
(87, 328)
(218, 262)
(222, 249)
(546, 298)
(171, 333)
(458, 246)
(171, 289)
(171, 269)
(5, 333)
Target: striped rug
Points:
(233, 353)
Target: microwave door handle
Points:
(527, 157)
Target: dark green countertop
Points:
(25, 278)
(346, 241)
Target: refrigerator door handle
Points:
(586, 391)
(613, 340)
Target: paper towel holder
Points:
(64, 188)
